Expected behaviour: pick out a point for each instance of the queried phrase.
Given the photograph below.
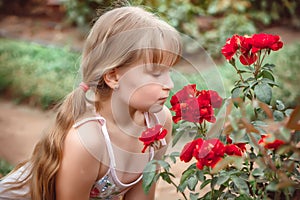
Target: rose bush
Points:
(256, 152)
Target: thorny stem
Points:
(251, 162)
(212, 191)
(174, 184)
(263, 57)
(258, 64)
(238, 71)
(201, 129)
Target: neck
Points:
(127, 119)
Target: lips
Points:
(163, 98)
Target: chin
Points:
(155, 108)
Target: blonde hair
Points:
(118, 38)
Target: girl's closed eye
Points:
(156, 73)
(161, 71)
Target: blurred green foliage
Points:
(209, 22)
(287, 71)
(5, 167)
(36, 74)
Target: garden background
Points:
(41, 40)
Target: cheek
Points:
(147, 94)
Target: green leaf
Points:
(258, 172)
(280, 105)
(244, 71)
(148, 176)
(177, 136)
(192, 182)
(222, 179)
(182, 186)
(267, 74)
(268, 66)
(164, 164)
(288, 112)
(241, 184)
(278, 115)
(173, 156)
(270, 82)
(263, 92)
(243, 197)
(200, 175)
(272, 187)
(186, 174)
(166, 176)
(194, 196)
(206, 182)
(237, 93)
(213, 182)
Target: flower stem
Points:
(212, 191)
(259, 63)
(251, 162)
(174, 184)
(238, 72)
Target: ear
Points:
(112, 77)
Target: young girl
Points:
(93, 150)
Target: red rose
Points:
(232, 149)
(241, 146)
(270, 145)
(248, 59)
(210, 97)
(210, 160)
(192, 105)
(188, 111)
(151, 135)
(245, 44)
(185, 93)
(209, 152)
(188, 150)
(265, 41)
(185, 105)
(207, 113)
(209, 145)
(231, 46)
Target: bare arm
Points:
(78, 170)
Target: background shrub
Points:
(36, 74)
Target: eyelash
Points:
(156, 75)
(160, 72)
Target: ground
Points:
(21, 125)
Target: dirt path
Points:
(20, 128)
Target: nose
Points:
(168, 83)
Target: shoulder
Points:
(79, 167)
(87, 137)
